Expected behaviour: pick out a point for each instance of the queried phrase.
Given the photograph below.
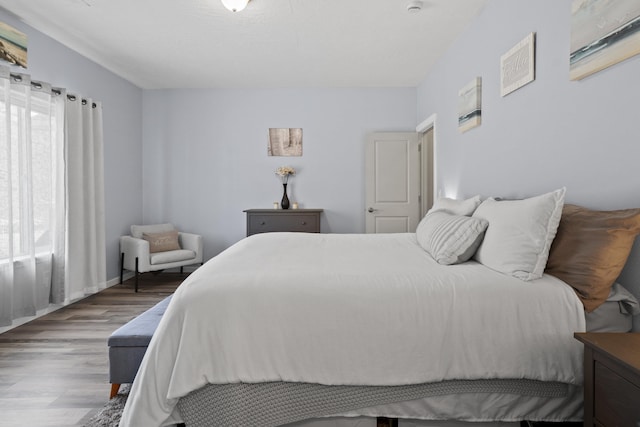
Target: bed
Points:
(284, 327)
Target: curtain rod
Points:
(38, 85)
(84, 101)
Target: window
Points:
(27, 172)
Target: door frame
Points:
(428, 124)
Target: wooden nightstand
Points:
(269, 220)
(611, 379)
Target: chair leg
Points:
(114, 390)
(121, 266)
(182, 270)
(136, 286)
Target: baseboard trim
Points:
(116, 280)
(53, 307)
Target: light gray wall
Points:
(551, 133)
(205, 154)
(52, 62)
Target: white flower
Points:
(284, 172)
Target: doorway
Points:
(392, 181)
(428, 165)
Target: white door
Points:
(392, 183)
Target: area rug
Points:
(109, 415)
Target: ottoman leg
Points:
(136, 285)
(121, 266)
(114, 390)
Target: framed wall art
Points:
(470, 105)
(518, 65)
(285, 142)
(603, 33)
(13, 45)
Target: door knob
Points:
(371, 210)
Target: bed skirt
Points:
(278, 403)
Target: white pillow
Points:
(456, 207)
(520, 233)
(450, 239)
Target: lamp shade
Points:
(235, 5)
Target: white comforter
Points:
(351, 309)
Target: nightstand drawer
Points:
(270, 220)
(297, 222)
(616, 400)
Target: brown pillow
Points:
(591, 248)
(162, 242)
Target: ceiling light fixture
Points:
(235, 5)
(413, 6)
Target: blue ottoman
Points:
(128, 344)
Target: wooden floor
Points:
(54, 370)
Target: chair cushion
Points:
(137, 230)
(162, 242)
(171, 256)
(138, 332)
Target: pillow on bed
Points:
(450, 239)
(591, 249)
(456, 207)
(520, 233)
(162, 242)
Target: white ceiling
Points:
(272, 43)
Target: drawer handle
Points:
(304, 222)
(262, 223)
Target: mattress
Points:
(352, 310)
(298, 404)
(615, 314)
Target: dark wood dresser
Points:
(611, 379)
(270, 220)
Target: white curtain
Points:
(52, 230)
(31, 196)
(86, 258)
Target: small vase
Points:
(284, 203)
